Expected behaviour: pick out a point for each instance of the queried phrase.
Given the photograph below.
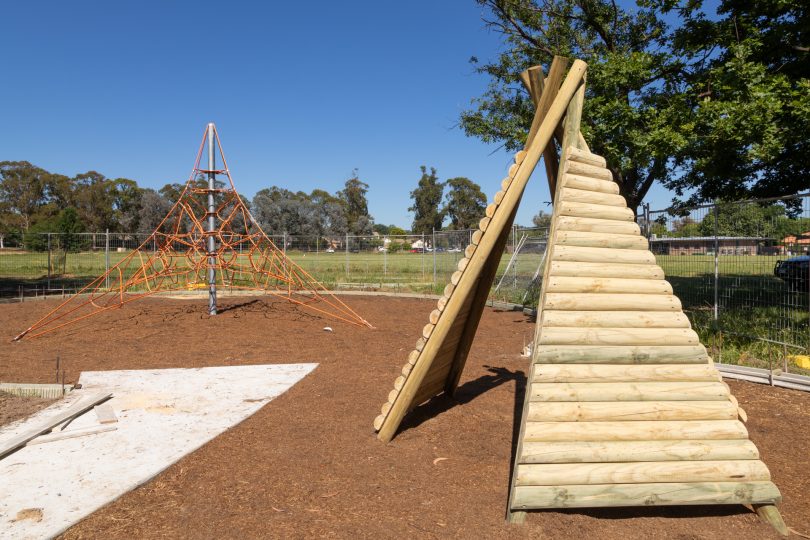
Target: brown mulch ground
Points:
(14, 408)
(308, 465)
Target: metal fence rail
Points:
(50, 263)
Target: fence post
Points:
(433, 246)
(716, 266)
(107, 258)
(347, 256)
(385, 256)
(423, 257)
(49, 260)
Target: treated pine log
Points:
(553, 474)
(398, 382)
(641, 430)
(448, 290)
(630, 391)
(483, 224)
(476, 237)
(456, 277)
(441, 303)
(462, 263)
(568, 284)
(597, 211)
(520, 156)
(434, 316)
(427, 330)
(601, 240)
(392, 395)
(571, 194)
(590, 184)
(616, 319)
(413, 388)
(611, 302)
(624, 373)
(469, 250)
(659, 494)
(513, 169)
(420, 344)
(505, 183)
(406, 369)
(608, 226)
(623, 451)
(768, 513)
(583, 156)
(498, 197)
(603, 255)
(587, 269)
(557, 335)
(598, 354)
(606, 411)
(386, 408)
(378, 422)
(490, 211)
(583, 169)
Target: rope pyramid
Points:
(175, 257)
(623, 405)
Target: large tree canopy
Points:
(427, 216)
(465, 203)
(665, 102)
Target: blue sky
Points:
(301, 92)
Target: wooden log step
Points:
(441, 303)
(499, 197)
(513, 169)
(469, 250)
(553, 474)
(455, 277)
(476, 237)
(589, 269)
(434, 316)
(641, 430)
(378, 422)
(406, 369)
(427, 330)
(606, 411)
(616, 319)
(603, 255)
(483, 224)
(601, 240)
(590, 184)
(462, 263)
(658, 494)
(520, 156)
(583, 156)
(505, 183)
(611, 302)
(564, 335)
(609, 226)
(490, 210)
(584, 169)
(624, 373)
(598, 211)
(562, 284)
(630, 391)
(600, 354)
(622, 451)
(570, 194)
(448, 290)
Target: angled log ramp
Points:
(438, 359)
(624, 407)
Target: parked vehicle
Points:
(794, 271)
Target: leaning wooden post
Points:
(468, 279)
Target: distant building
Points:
(795, 244)
(726, 245)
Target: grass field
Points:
(752, 303)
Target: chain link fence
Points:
(50, 263)
(741, 272)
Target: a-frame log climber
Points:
(623, 406)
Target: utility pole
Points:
(212, 259)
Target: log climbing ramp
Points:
(623, 405)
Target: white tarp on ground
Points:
(163, 415)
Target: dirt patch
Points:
(13, 408)
(308, 464)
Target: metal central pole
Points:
(212, 274)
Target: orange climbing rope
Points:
(175, 257)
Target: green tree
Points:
(465, 203)
(22, 191)
(665, 103)
(541, 220)
(354, 199)
(427, 216)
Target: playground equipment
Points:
(623, 406)
(208, 240)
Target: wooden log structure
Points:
(623, 405)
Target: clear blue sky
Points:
(301, 92)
